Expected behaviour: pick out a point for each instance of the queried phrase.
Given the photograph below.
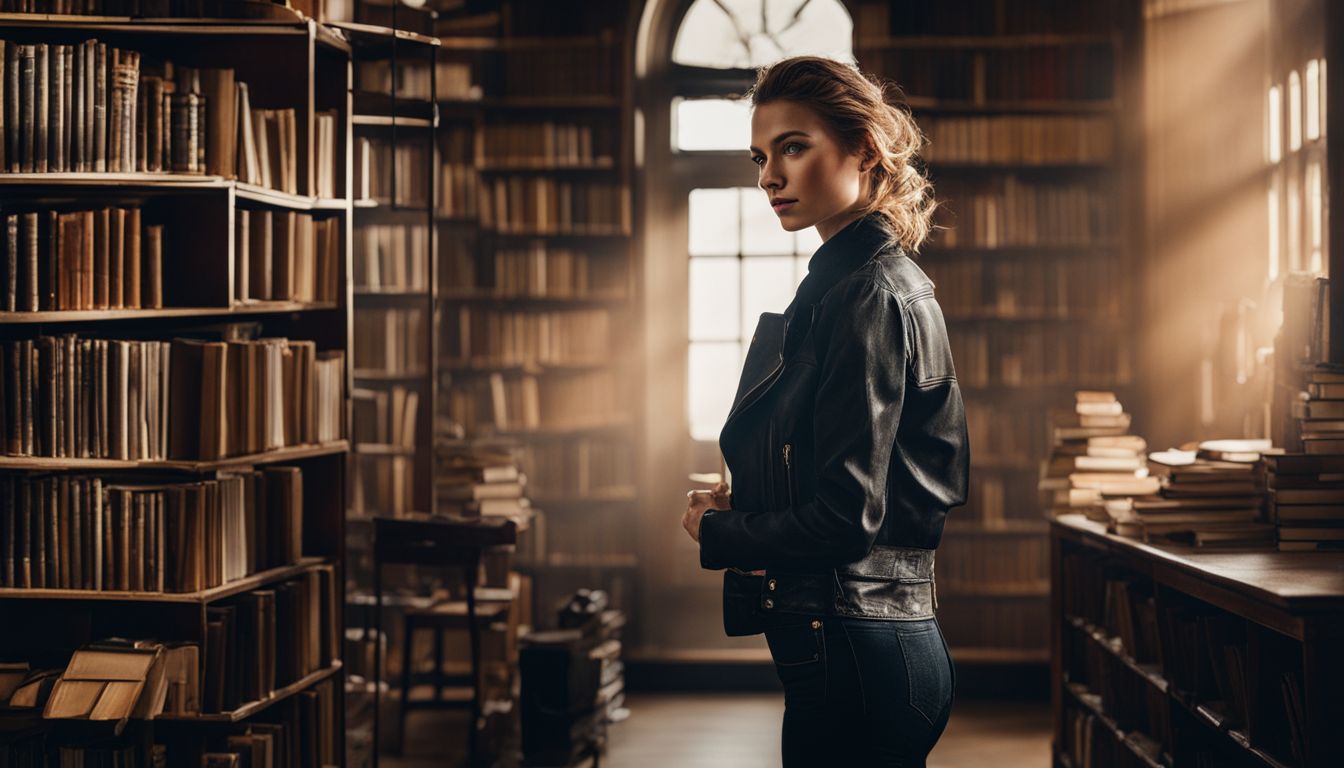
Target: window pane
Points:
(708, 124)
(1315, 216)
(1275, 133)
(762, 234)
(1294, 111)
(714, 299)
(1273, 199)
(714, 225)
(1312, 88)
(712, 376)
(724, 34)
(768, 283)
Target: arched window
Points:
(740, 262)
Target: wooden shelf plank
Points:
(88, 315)
(384, 121)
(178, 181)
(291, 453)
(278, 199)
(251, 708)
(365, 34)
(237, 586)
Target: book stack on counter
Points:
(479, 482)
(1094, 457)
(1211, 496)
(1306, 497)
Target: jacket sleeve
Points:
(861, 346)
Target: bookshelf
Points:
(1024, 112)
(395, 127)
(138, 503)
(1177, 656)
(536, 299)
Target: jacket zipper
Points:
(788, 474)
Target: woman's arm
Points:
(861, 343)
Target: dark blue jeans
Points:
(862, 692)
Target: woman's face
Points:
(810, 178)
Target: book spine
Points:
(28, 104)
(153, 246)
(13, 261)
(42, 82)
(56, 123)
(100, 107)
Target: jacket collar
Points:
(846, 251)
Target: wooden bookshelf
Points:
(553, 107)
(1280, 610)
(290, 63)
(977, 78)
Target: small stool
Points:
(447, 616)
(444, 543)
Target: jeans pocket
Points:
(927, 669)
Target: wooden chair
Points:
(448, 544)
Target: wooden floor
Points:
(742, 731)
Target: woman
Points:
(847, 438)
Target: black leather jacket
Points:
(846, 443)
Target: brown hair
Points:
(854, 106)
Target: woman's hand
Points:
(699, 502)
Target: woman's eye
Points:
(758, 160)
(793, 148)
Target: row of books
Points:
(534, 204)
(1201, 653)
(383, 485)
(499, 403)
(90, 107)
(477, 335)
(104, 258)
(83, 532)
(72, 397)
(1015, 139)
(976, 622)
(970, 562)
(455, 81)
(1067, 288)
(249, 396)
(1005, 434)
(385, 416)
(1017, 212)
(546, 143)
(580, 467)
(268, 638)
(1022, 357)
(538, 270)
(1041, 72)
(583, 69)
(176, 9)
(391, 257)
(286, 256)
(389, 173)
(391, 341)
(459, 192)
(402, 77)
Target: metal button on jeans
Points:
(769, 603)
(770, 585)
(816, 624)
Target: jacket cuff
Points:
(712, 557)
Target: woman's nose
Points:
(770, 177)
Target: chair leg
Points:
(407, 671)
(438, 664)
(474, 632)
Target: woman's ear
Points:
(867, 154)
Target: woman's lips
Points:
(782, 206)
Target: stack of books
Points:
(1211, 496)
(1306, 495)
(474, 482)
(1094, 458)
(1318, 412)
